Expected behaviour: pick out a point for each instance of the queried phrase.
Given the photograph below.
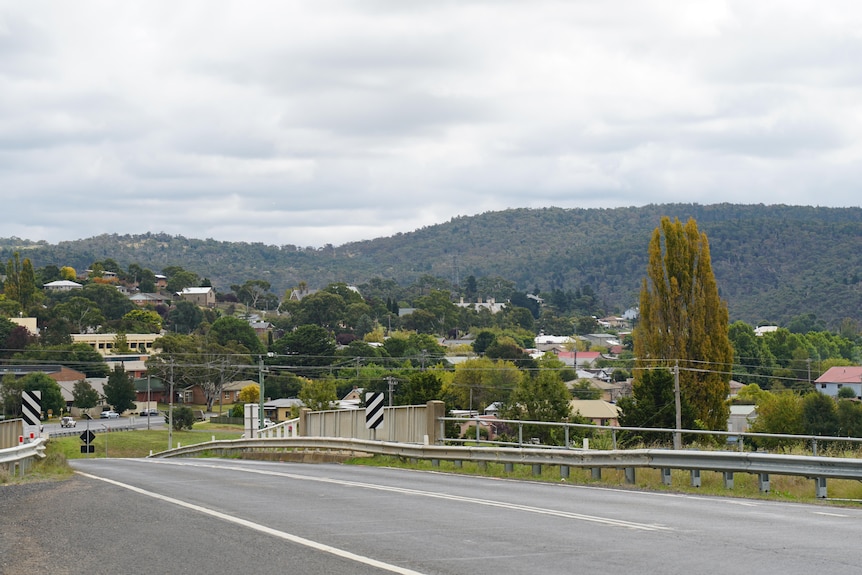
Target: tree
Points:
(141, 321)
(683, 320)
(540, 397)
(228, 329)
(250, 393)
(779, 413)
(183, 418)
(819, 414)
(652, 404)
(185, 317)
(84, 396)
(419, 388)
(80, 312)
(68, 273)
(318, 394)
(308, 346)
(120, 389)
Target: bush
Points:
(184, 418)
(238, 410)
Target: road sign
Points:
(373, 410)
(87, 437)
(31, 406)
(88, 448)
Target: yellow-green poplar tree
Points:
(682, 319)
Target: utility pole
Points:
(260, 383)
(171, 410)
(148, 401)
(677, 438)
(392, 382)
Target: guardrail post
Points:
(763, 482)
(537, 469)
(435, 463)
(564, 471)
(814, 446)
(695, 477)
(665, 475)
(458, 463)
(614, 439)
(630, 475)
(520, 434)
(509, 467)
(596, 473)
(728, 479)
(820, 487)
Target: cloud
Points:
(327, 122)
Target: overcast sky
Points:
(314, 122)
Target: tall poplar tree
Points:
(682, 319)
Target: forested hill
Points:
(772, 263)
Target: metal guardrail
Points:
(21, 456)
(727, 462)
(737, 437)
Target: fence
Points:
(10, 431)
(402, 424)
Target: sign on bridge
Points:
(373, 410)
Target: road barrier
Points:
(726, 462)
(18, 458)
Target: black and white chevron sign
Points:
(373, 410)
(31, 406)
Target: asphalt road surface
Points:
(228, 516)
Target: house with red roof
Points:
(838, 377)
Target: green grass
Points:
(140, 443)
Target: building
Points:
(62, 285)
(201, 296)
(142, 299)
(836, 378)
(598, 411)
(104, 343)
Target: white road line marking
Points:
(262, 528)
(435, 495)
(829, 514)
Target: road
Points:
(230, 516)
(101, 425)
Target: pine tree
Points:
(682, 319)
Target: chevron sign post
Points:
(373, 410)
(31, 407)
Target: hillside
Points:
(771, 262)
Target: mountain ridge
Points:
(772, 262)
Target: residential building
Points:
(62, 285)
(598, 411)
(201, 296)
(142, 299)
(839, 377)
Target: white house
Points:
(838, 377)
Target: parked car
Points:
(67, 421)
(149, 412)
(267, 422)
(110, 414)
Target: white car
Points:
(110, 414)
(67, 421)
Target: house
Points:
(579, 359)
(230, 391)
(490, 305)
(607, 340)
(598, 411)
(764, 329)
(62, 285)
(134, 365)
(161, 281)
(490, 423)
(281, 409)
(741, 417)
(142, 299)
(298, 294)
(839, 377)
(151, 389)
(201, 296)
